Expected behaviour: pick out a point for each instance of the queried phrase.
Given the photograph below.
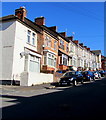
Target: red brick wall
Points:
(62, 67)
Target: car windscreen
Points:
(78, 73)
(69, 74)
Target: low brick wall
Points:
(56, 76)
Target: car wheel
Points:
(68, 84)
(90, 79)
(82, 82)
(100, 76)
(94, 79)
(75, 83)
(60, 84)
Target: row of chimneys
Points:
(21, 13)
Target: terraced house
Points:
(33, 51)
(48, 47)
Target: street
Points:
(87, 101)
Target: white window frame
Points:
(50, 59)
(47, 41)
(28, 36)
(31, 38)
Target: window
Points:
(50, 59)
(28, 36)
(45, 59)
(65, 59)
(67, 49)
(54, 62)
(33, 38)
(55, 45)
(47, 41)
(62, 44)
(71, 48)
(34, 65)
(74, 63)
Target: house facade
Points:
(20, 59)
(48, 47)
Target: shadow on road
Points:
(83, 102)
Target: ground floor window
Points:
(32, 63)
(50, 59)
(64, 59)
(74, 62)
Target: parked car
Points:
(88, 76)
(71, 77)
(97, 74)
(102, 72)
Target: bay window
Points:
(50, 59)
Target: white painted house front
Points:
(20, 59)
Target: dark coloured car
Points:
(72, 77)
(88, 76)
(102, 72)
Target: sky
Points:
(83, 20)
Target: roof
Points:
(56, 34)
(53, 33)
(25, 22)
(97, 52)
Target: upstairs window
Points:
(28, 36)
(62, 44)
(33, 38)
(47, 41)
(55, 45)
(67, 48)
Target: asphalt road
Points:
(82, 102)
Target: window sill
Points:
(31, 44)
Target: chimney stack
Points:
(21, 13)
(76, 41)
(85, 47)
(88, 49)
(53, 28)
(40, 20)
(71, 38)
(63, 34)
(81, 44)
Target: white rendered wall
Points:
(0, 50)
(20, 44)
(30, 78)
(7, 46)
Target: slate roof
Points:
(26, 21)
